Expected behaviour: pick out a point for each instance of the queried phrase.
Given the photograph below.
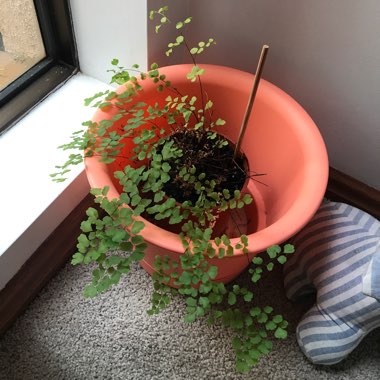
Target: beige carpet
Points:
(64, 336)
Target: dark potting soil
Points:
(216, 162)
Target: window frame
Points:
(59, 65)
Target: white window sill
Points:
(32, 205)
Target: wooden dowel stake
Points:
(255, 86)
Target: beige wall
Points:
(325, 53)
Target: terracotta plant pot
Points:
(281, 141)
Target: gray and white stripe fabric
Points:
(335, 253)
(371, 280)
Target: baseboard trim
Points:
(60, 245)
(341, 187)
(45, 262)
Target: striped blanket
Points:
(338, 258)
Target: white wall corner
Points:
(110, 29)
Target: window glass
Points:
(21, 45)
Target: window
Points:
(20, 48)
(37, 54)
